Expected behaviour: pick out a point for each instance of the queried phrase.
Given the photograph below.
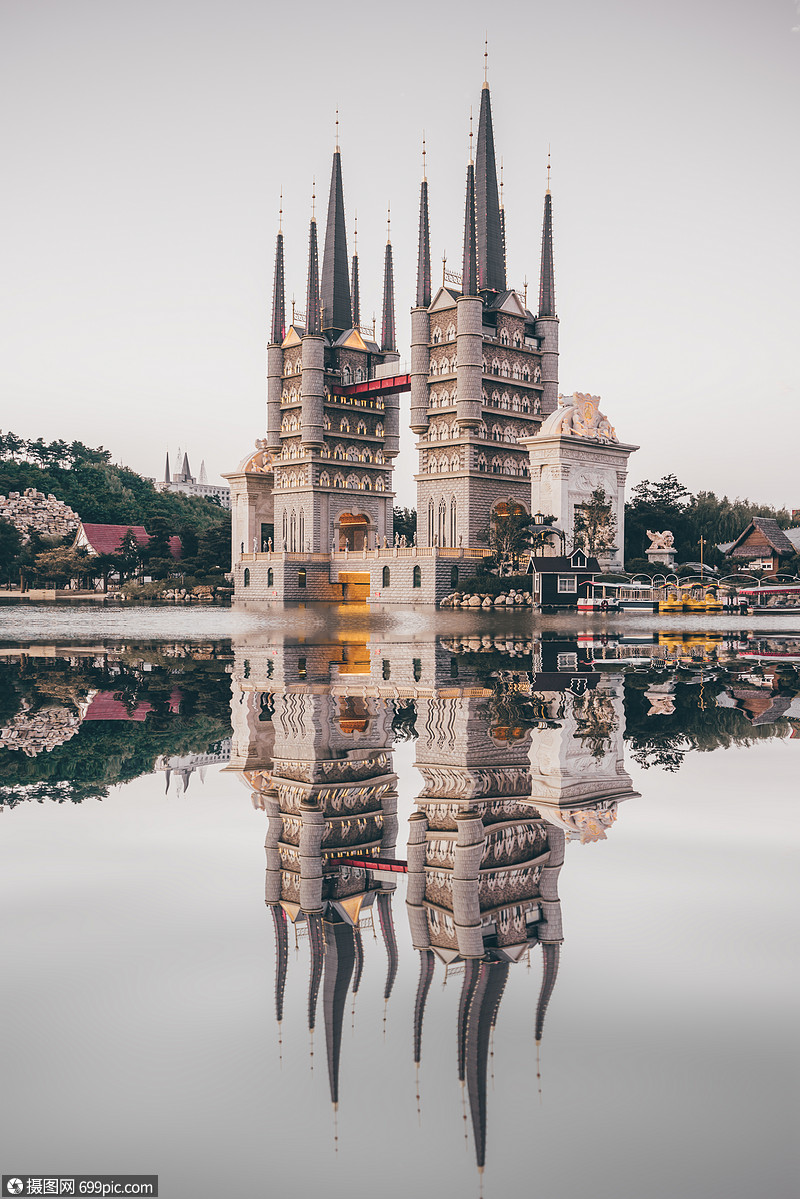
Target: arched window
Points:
(386, 667)
(454, 581)
(338, 481)
(437, 336)
(482, 462)
(451, 331)
(344, 425)
(366, 483)
(526, 374)
(293, 530)
(347, 375)
(455, 462)
(504, 337)
(326, 422)
(325, 452)
(505, 403)
(338, 453)
(506, 372)
(379, 457)
(352, 454)
(517, 339)
(302, 532)
(247, 576)
(497, 433)
(483, 367)
(270, 577)
(495, 399)
(416, 581)
(515, 371)
(379, 484)
(359, 375)
(361, 429)
(301, 577)
(537, 374)
(495, 366)
(453, 520)
(515, 403)
(285, 519)
(537, 406)
(442, 522)
(430, 522)
(386, 576)
(352, 482)
(379, 430)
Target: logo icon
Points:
(15, 1186)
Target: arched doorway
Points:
(352, 531)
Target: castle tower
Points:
(484, 370)
(332, 447)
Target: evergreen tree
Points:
(595, 524)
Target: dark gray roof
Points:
(771, 530)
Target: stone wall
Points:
(31, 510)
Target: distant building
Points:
(184, 481)
(761, 546)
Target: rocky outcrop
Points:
(510, 599)
(34, 733)
(32, 511)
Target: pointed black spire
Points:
(388, 338)
(187, 474)
(491, 266)
(356, 301)
(278, 295)
(502, 218)
(547, 284)
(313, 324)
(469, 270)
(424, 255)
(317, 957)
(337, 313)
(167, 478)
(487, 996)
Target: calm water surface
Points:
(600, 833)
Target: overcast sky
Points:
(145, 145)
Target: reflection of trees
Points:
(404, 720)
(697, 722)
(596, 721)
(189, 713)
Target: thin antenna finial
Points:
(470, 134)
(548, 168)
(337, 130)
(486, 60)
(388, 223)
(424, 152)
(444, 266)
(314, 199)
(280, 214)
(355, 234)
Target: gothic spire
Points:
(547, 285)
(502, 217)
(313, 324)
(424, 255)
(167, 478)
(337, 313)
(491, 266)
(388, 339)
(354, 280)
(279, 291)
(469, 270)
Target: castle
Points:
(312, 507)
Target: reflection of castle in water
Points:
(509, 774)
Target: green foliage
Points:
(668, 504)
(405, 523)
(510, 533)
(10, 545)
(61, 565)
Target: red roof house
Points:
(106, 539)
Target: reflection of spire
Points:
(482, 1013)
(358, 951)
(317, 950)
(389, 940)
(427, 962)
(281, 957)
(339, 962)
(471, 976)
(551, 954)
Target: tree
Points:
(595, 524)
(511, 532)
(127, 557)
(405, 523)
(62, 565)
(10, 545)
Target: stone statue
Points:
(255, 545)
(661, 541)
(415, 541)
(269, 545)
(460, 540)
(581, 418)
(396, 540)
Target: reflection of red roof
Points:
(105, 706)
(106, 539)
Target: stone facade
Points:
(32, 511)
